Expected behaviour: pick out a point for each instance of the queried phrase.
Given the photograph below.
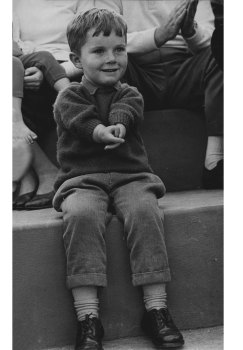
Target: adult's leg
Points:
(148, 76)
(53, 72)
(20, 130)
(197, 82)
(22, 135)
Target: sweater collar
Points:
(92, 88)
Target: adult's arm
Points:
(128, 109)
(84, 5)
(204, 27)
(150, 39)
(74, 112)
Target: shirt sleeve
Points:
(137, 42)
(205, 26)
(127, 108)
(84, 5)
(74, 112)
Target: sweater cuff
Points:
(195, 42)
(120, 117)
(90, 126)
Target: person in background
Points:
(171, 64)
(103, 162)
(40, 25)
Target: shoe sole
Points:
(168, 346)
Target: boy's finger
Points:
(114, 139)
(112, 146)
(117, 132)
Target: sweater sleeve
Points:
(75, 112)
(205, 27)
(127, 107)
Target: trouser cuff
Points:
(89, 279)
(161, 276)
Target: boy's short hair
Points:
(104, 21)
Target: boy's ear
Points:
(76, 60)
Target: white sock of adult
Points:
(214, 153)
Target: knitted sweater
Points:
(78, 110)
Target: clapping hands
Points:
(187, 28)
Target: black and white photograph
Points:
(117, 174)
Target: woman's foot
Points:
(44, 195)
(47, 172)
(22, 132)
(46, 181)
(28, 188)
(22, 155)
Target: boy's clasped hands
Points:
(112, 135)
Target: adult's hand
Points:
(33, 78)
(188, 25)
(170, 27)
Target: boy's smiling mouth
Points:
(110, 70)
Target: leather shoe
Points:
(159, 326)
(40, 201)
(89, 334)
(20, 202)
(214, 179)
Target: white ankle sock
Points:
(154, 296)
(214, 153)
(85, 301)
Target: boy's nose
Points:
(110, 58)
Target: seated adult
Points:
(22, 135)
(171, 63)
(40, 25)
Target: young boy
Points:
(102, 162)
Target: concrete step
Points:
(194, 237)
(200, 339)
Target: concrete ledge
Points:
(194, 235)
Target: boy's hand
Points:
(119, 131)
(106, 134)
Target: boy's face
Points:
(103, 58)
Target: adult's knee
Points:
(17, 66)
(18, 77)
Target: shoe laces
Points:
(88, 324)
(160, 318)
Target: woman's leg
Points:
(45, 170)
(20, 130)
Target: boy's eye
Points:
(98, 51)
(120, 49)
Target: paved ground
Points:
(201, 339)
